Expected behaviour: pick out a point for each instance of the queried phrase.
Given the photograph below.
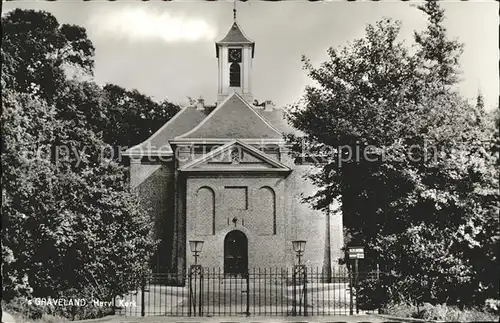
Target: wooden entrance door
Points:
(235, 253)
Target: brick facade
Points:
(267, 208)
(205, 174)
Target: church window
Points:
(205, 215)
(266, 220)
(235, 75)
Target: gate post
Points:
(200, 298)
(247, 275)
(299, 277)
(143, 298)
(356, 278)
(190, 292)
(305, 291)
(351, 299)
(294, 283)
(195, 294)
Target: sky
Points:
(166, 49)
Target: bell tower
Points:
(235, 53)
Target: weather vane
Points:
(234, 10)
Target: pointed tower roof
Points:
(235, 36)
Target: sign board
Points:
(357, 256)
(356, 252)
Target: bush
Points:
(21, 308)
(440, 312)
(372, 294)
(400, 310)
(92, 312)
(492, 306)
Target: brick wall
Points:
(238, 206)
(248, 200)
(154, 182)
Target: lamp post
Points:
(195, 279)
(299, 278)
(299, 247)
(196, 246)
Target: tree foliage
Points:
(71, 224)
(38, 49)
(439, 55)
(411, 161)
(37, 56)
(132, 116)
(70, 221)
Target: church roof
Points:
(234, 118)
(158, 143)
(182, 122)
(277, 117)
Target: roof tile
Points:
(235, 35)
(234, 119)
(187, 119)
(277, 117)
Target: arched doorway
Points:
(235, 253)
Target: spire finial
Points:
(234, 10)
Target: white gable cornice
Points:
(276, 165)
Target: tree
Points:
(36, 54)
(408, 159)
(480, 101)
(23, 174)
(439, 54)
(39, 49)
(71, 221)
(132, 117)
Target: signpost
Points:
(355, 253)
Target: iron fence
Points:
(259, 292)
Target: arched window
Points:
(235, 75)
(267, 211)
(205, 209)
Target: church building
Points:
(226, 177)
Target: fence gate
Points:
(297, 291)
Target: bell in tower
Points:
(235, 53)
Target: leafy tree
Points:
(494, 119)
(70, 222)
(440, 55)
(480, 101)
(38, 50)
(131, 117)
(23, 174)
(409, 159)
(36, 54)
